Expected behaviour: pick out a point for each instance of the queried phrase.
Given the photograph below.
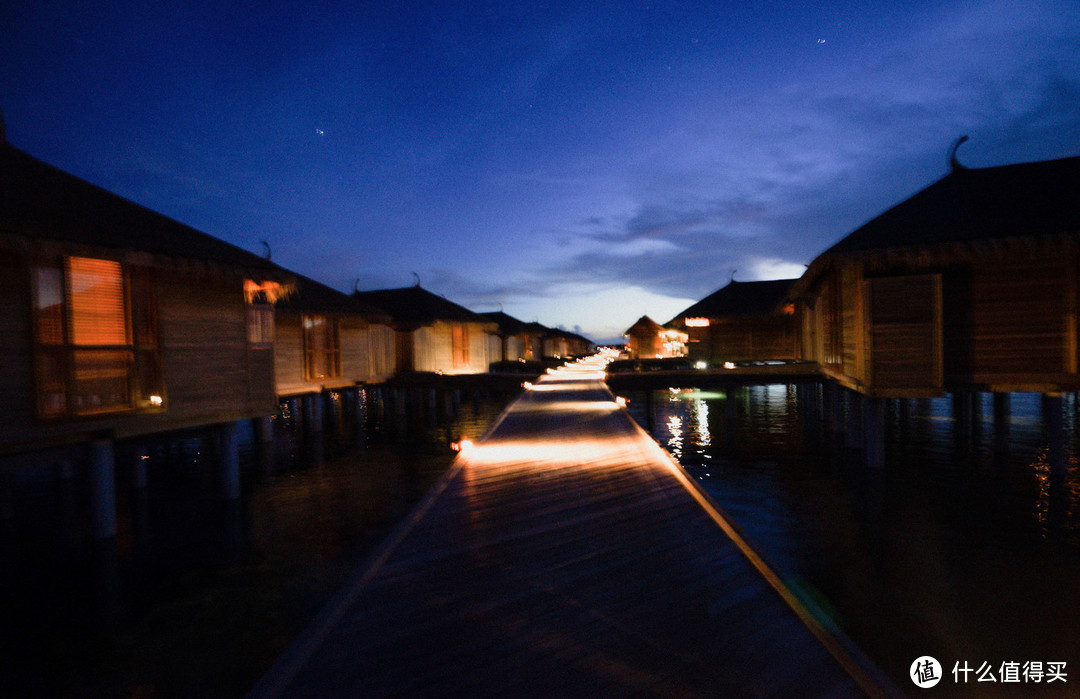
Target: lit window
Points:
(95, 331)
(322, 352)
(697, 322)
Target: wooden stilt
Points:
(1002, 419)
(1054, 424)
(229, 460)
(874, 431)
(102, 477)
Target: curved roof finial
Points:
(356, 286)
(417, 279)
(731, 280)
(954, 164)
(267, 255)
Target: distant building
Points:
(562, 344)
(326, 339)
(514, 339)
(971, 284)
(647, 339)
(432, 333)
(743, 321)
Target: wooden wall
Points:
(288, 354)
(203, 331)
(514, 348)
(210, 373)
(381, 358)
(765, 338)
(645, 345)
(432, 348)
(367, 353)
(904, 323)
(1019, 321)
(852, 348)
(355, 342)
(16, 361)
(1000, 318)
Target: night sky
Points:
(580, 164)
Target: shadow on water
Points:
(960, 548)
(197, 595)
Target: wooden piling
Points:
(874, 431)
(229, 459)
(1001, 422)
(101, 467)
(1054, 425)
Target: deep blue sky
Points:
(579, 164)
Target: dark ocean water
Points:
(198, 596)
(953, 550)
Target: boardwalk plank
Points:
(565, 554)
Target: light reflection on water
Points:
(196, 597)
(953, 550)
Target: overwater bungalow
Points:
(119, 322)
(535, 333)
(969, 285)
(433, 333)
(514, 340)
(647, 339)
(743, 321)
(563, 344)
(327, 340)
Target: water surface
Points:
(952, 550)
(198, 596)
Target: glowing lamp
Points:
(462, 445)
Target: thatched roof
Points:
(44, 207)
(509, 325)
(413, 307)
(1027, 199)
(311, 296)
(644, 326)
(739, 299)
(566, 334)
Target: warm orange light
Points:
(270, 291)
(594, 406)
(789, 309)
(696, 322)
(98, 310)
(462, 445)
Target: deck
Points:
(564, 554)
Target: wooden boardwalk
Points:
(567, 554)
